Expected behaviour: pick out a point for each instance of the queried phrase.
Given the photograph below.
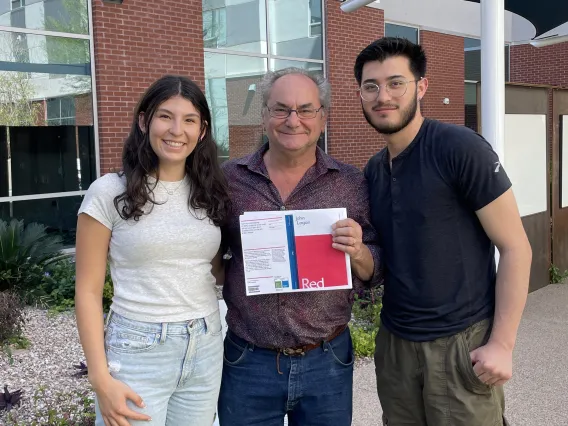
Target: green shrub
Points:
(363, 341)
(58, 285)
(556, 275)
(24, 253)
(366, 321)
(12, 317)
(108, 291)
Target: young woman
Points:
(158, 224)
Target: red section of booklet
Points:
(319, 264)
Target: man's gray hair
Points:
(320, 81)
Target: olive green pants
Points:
(433, 383)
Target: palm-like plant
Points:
(24, 253)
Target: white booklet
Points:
(291, 250)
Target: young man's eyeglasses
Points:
(283, 112)
(396, 88)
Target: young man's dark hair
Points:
(388, 47)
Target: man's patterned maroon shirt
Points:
(292, 319)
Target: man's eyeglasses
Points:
(283, 112)
(396, 88)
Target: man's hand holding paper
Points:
(348, 238)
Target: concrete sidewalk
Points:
(538, 393)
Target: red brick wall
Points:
(84, 110)
(245, 117)
(544, 65)
(41, 113)
(350, 139)
(244, 139)
(445, 74)
(135, 43)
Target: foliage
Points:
(108, 291)
(17, 91)
(556, 276)
(16, 100)
(58, 285)
(12, 316)
(66, 409)
(24, 254)
(366, 321)
(363, 341)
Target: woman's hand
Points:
(112, 395)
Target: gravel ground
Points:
(45, 373)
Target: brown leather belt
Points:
(300, 350)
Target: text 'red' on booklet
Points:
(291, 250)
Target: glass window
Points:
(472, 60)
(41, 55)
(47, 144)
(235, 25)
(59, 215)
(68, 16)
(315, 18)
(313, 67)
(471, 106)
(402, 31)
(60, 111)
(233, 93)
(295, 29)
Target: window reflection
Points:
(295, 28)
(233, 92)
(402, 31)
(67, 16)
(47, 144)
(295, 31)
(235, 25)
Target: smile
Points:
(174, 144)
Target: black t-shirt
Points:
(439, 263)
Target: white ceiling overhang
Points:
(459, 17)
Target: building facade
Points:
(71, 72)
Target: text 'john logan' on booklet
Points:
(291, 250)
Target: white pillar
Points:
(493, 77)
(493, 74)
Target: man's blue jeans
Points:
(259, 386)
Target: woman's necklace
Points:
(171, 191)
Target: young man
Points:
(440, 202)
(292, 353)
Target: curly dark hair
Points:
(208, 185)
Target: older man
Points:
(292, 353)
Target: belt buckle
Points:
(293, 351)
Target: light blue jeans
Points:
(176, 368)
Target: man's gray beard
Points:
(408, 115)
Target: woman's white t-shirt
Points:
(161, 264)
